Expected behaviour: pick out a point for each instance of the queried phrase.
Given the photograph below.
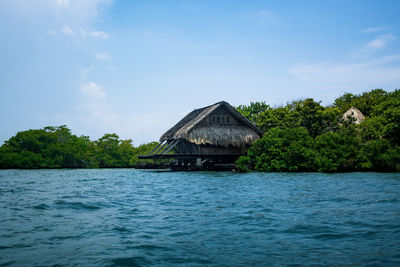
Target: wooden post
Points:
(155, 148)
(188, 149)
(172, 146)
(161, 147)
(168, 146)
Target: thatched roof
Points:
(354, 113)
(190, 129)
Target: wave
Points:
(75, 205)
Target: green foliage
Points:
(109, 152)
(280, 150)
(56, 147)
(338, 151)
(143, 149)
(301, 136)
(281, 117)
(380, 155)
(314, 117)
(301, 113)
(389, 112)
(306, 136)
(365, 102)
(252, 111)
(50, 147)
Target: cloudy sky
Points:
(136, 67)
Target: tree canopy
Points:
(306, 136)
(57, 147)
(302, 135)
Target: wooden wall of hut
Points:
(185, 147)
(220, 116)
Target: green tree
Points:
(338, 151)
(143, 149)
(107, 151)
(280, 150)
(50, 147)
(281, 117)
(381, 156)
(344, 102)
(389, 112)
(365, 102)
(252, 111)
(314, 117)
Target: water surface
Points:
(130, 217)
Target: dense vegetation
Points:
(301, 136)
(306, 136)
(57, 147)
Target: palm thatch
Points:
(191, 129)
(353, 114)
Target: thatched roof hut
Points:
(219, 124)
(218, 132)
(354, 114)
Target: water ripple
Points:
(75, 205)
(125, 217)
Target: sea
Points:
(128, 217)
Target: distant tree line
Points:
(301, 136)
(306, 136)
(57, 147)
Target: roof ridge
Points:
(192, 119)
(201, 116)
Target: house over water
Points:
(212, 136)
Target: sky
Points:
(136, 67)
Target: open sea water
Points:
(126, 217)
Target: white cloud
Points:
(77, 12)
(85, 74)
(62, 3)
(37, 16)
(92, 90)
(83, 33)
(67, 30)
(99, 34)
(378, 72)
(102, 56)
(99, 116)
(379, 42)
(372, 29)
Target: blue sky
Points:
(136, 67)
